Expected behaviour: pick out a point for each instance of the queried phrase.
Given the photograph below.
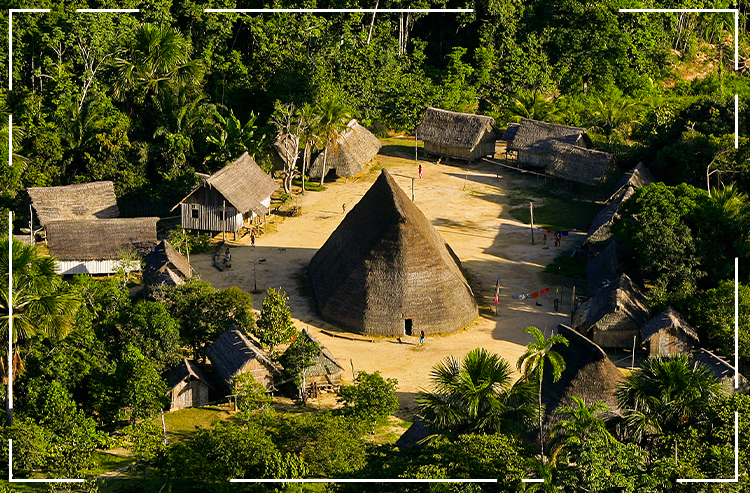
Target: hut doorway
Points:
(408, 327)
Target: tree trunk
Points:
(325, 160)
(372, 23)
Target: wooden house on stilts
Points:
(457, 135)
(325, 373)
(229, 199)
(188, 386)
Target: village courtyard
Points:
(469, 207)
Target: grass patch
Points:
(553, 211)
(182, 423)
(563, 265)
(309, 185)
(105, 462)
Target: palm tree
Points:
(614, 116)
(42, 304)
(232, 138)
(333, 119)
(310, 137)
(531, 365)
(530, 104)
(666, 395)
(581, 421)
(476, 395)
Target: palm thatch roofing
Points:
(101, 239)
(589, 374)
(353, 150)
(722, 370)
(619, 306)
(161, 258)
(450, 129)
(242, 183)
(606, 267)
(185, 370)
(386, 264)
(167, 277)
(538, 136)
(283, 149)
(575, 163)
(231, 351)
(94, 200)
(637, 177)
(325, 363)
(668, 319)
(600, 230)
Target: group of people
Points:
(228, 255)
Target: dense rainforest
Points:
(148, 99)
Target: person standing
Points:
(343, 208)
(420, 171)
(228, 259)
(421, 337)
(252, 238)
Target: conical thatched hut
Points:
(457, 135)
(637, 177)
(532, 140)
(385, 270)
(615, 315)
(162, 258)
(589, 374)
(668, 333)
(723, 371)
(579, 164)
(601, 228)
(607, 266)
(95, 200)
(282, 150)
(354, 150)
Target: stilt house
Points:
(531, 141)
(94, 200)
(457, 135)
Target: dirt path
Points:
(468, 209)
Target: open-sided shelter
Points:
(164, 257)
(226, 200)
(355, 148)
(614, 317)
(232, 354)
(531, 140)
(668, 333)
(457, 135)
(95, 200)
(386, 270)
(95, 246)
(579, 164)
(325, 373)
(188, 386)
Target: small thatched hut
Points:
(614, 316)
(282, 150)
(723, 371)
(226, 200)
(588, 374)
(164, 257)
(355, 148)
(232, 354)
(385, 270)
(188, 386)
(668, 333)
(579, 164)
(325, 373)
(532, 140)
(606, 267)
(94, 200)
(601, 228)
(457, 135)
(94, 246)
(637, 177)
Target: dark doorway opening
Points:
(408, 327)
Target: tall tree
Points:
(578, 423)
(531, 365)
(333, 119)
(274, 324)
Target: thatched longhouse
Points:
(615, 315)
(385, 270)
(637, 177)
(356, 148)
(94, 246)
(226, 200)
(232, 354)
(94, 200)
(457, 135)
(589, 374)
(532, 140)
(164, 257)
(668, 333)
(606, 267)
(579, 164)
(600, 231)
(188, 386)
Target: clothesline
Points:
(535, 294)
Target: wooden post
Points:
(31, 224)
(9, 387)
(412, 189)
(632, 361)
(572, 304)
(224, 221)
(416, 145)
(351, 362)
(164, 428)
(531, 210)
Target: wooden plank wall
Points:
(209, 218)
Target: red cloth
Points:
(535, 294)
(496, 299)
(544, 290)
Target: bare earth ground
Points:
(469, 209)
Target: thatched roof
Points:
(167, 277)
(600, 229)
(668, 319)
(723, 371)
(606, 267)
(325, 363)
(539, 136)
(100, 239)
(384, 264)
(589, 374)
(637, 177)
(186, 369)
(161, 258)
(243, 184)
(354, 149)
(575, 163)
(451, 129)
(619, 306)
(94, 200)
(231, 351)
(283, 149)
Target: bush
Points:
(371, 398)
